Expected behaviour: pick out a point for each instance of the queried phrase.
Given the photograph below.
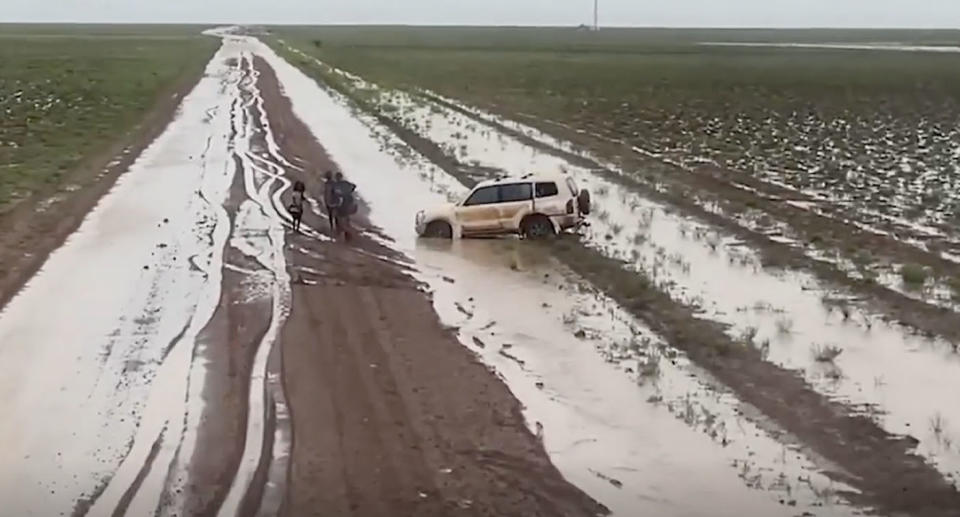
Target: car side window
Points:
(515, 192)
(547, 189)
(484, 196)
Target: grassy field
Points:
(875, 129)
(68, 92)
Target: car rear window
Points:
(515, 192)
(548, 189)
(484, 196)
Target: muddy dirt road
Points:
(185, 353)
(174, 358)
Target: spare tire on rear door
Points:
(583, 201)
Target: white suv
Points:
(534, 207)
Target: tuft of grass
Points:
(784, 325)
(937, 424)
(954, 283)
(913, 274)
(826, 353)
(748, 335)
(649, 369)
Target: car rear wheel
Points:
(438, 230)
(538, 227)
(583, 201)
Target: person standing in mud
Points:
(296, 205)
(330, 201)
(346, 204)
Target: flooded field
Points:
(861, 137)
(564, 395)
(847, 353)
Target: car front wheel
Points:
(538, 227)
(438, 230)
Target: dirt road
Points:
(186, 353)
(172, 397)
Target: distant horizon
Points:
(504, 26)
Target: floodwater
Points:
(103, 355)
(905, 382)
(667, 442)
(96, 349)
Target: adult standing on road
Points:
(346, 204)
(330, 201)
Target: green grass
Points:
(913, 274)
(808, 116)
(68, 92)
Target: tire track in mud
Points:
(249, 488)
(184, 470)
(884, 467)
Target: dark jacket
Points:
(345, 202)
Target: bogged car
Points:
(533, 207)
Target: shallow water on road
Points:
(96, 349)
(670, 443)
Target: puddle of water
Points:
(905, 382)
(615, 403)
(126, 292)
(597, 422)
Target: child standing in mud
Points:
(296, 205)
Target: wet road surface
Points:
(110, 353)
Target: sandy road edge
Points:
(28, 237)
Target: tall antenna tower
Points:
(596, 15)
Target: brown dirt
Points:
(28, 236)
(883, 467)
(391, 414)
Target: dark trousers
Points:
(332, 217)
(297, 217)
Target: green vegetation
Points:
(954, 283)
(68, 92)
(840, 122)
(913, 274)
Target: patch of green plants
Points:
(67, 94)
(914, 275)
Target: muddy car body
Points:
(533, 207)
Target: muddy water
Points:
(906, 382)
(103, 370)
(96, 350)
(662, 442)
